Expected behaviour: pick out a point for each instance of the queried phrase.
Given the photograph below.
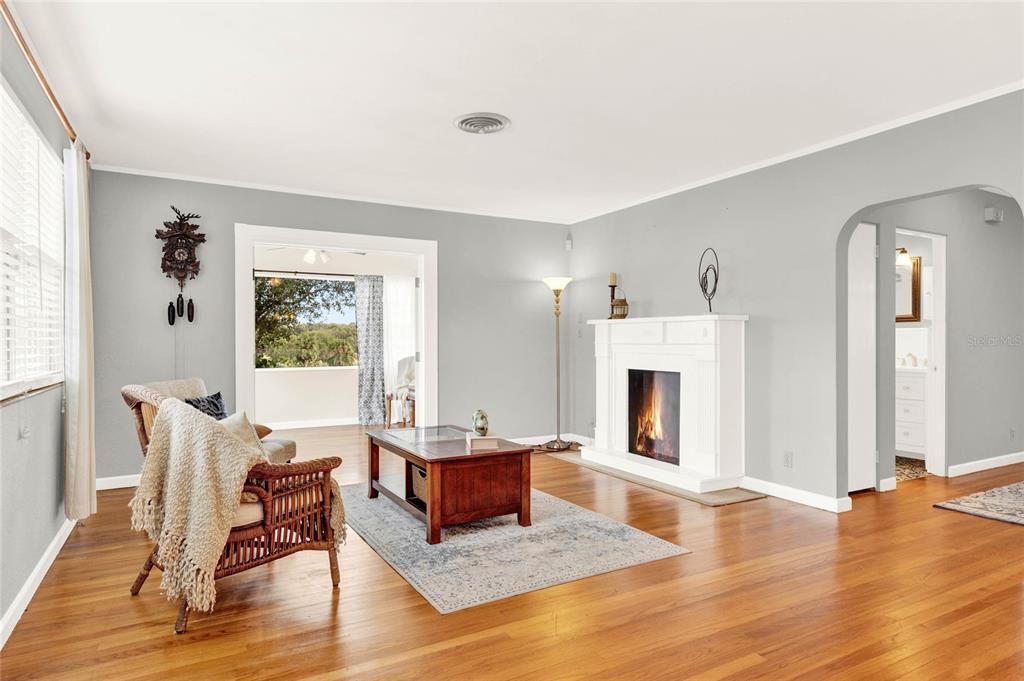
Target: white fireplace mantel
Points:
(708, 353)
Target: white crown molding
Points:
(318, 194)
(822, 146)
(24, 596)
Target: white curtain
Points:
(399, 326)
(79, 389)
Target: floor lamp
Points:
(557, 285)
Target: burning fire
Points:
(650, 436)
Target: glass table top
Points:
(430, 434)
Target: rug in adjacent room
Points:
(1002, 503)
(909, 469)
(491, 559)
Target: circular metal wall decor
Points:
(708, 274)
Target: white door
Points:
(935, 437)
(861, 436)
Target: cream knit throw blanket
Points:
(188, 494)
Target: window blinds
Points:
(31, 255)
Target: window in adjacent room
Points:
(31, 254)
(305, 321)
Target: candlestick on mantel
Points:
(613, 279)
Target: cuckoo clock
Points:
(179, 259)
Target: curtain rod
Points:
(34, 65)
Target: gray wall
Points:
(31, 486)
(920, 246)
(985, 298)
(31, 470)
(494, 327)
(776, 232)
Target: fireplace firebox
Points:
(654, 414)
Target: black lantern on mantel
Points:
(179, 261)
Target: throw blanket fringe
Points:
(338, 515)
(189, 491)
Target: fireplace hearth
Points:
(653, 414)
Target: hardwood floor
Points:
(894, 589)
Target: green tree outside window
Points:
(292, 327)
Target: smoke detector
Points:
(482, 123)
(993, 215)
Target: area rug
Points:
(909, 469)
(488, 560)
(720, 498)
(1002, 503)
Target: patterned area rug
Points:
(1002, 503)
(488, 560)
(909, 469)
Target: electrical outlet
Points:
(787, 459)
(24, 433)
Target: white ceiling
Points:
(610, 104)
(291, 259)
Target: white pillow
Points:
(238, 425)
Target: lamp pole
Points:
(557, 285)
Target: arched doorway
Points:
(956, 358)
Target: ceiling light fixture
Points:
(482, 123)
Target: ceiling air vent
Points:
(482, 123)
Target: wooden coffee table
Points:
(461, 485)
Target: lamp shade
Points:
(903, 258)
(557, 283)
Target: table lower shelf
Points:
(413, 505)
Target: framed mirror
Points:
(908, 288)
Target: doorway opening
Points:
(927, 292)
(913, 316)
(334, 329)
(919, 329)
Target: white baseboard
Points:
(541, 439)
(886, 485)
(117, 482)
(13, 613)
(314, 423)
(985, 464)
(799, 496)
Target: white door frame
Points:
(425, 251)
(935, 418)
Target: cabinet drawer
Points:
(910, 410)
(909, 434)
(909, 387)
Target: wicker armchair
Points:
(291, 511)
